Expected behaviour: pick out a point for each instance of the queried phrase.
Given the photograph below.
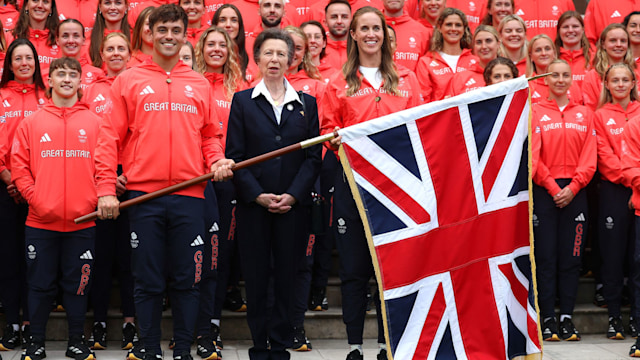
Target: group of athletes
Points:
(107, 100)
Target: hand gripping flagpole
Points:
(241, 165)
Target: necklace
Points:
(275, 98)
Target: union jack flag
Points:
(443, 192)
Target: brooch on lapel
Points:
(290, 107)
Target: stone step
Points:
(588, 319)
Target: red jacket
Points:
(412, 40)
(137, 58)
(342, 110)
(591, 88)
(540, 90)
(434, 73)
(563, 145)
(136, 7)
(9, 17)
(193, 35)
(474, 9)
(601, 13)
(97, 94)
(316, 88)
(18, 102)
(53, 166)
(335, 53)
(165, 127)
(609, 122)
(221, 104)
(326, 70)
(630, 158)
(298, 11)
(81, 10)
(577, 62)
(46, 53)
(541, 17)
(465, 81)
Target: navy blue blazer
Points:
(253, 131)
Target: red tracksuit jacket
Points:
(609, 122)
(434, 73)
(563, 145)
(542, 16)
(577, 62)
(367, 103)
(601, 13)
(412, 40)
(53, 165)
(165, 127)
(465, 81)
(18, 102)
(630, 147)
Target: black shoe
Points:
(598, 299)
(152, 357)
(355, 355)
(234, 301)
(382, 355)
(26, 336)
(78, 349)
(129, 336)
(635, 349)
(184, 356)
(10, 339)
(616, 330)
(34, 351)
(568, 331)
(98, 338)
(318, 299)
(550, 330)
(137, 353)
(206, 348)
(633, 330)
(215, 335)
(300, 341)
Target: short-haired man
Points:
(412, 38)
(337, 18)
(161, 124)
(53, 168)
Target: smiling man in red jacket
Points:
(165, 130)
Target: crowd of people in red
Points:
(106, 100)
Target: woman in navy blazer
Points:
(272, 219)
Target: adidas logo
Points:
(147, 90)
(214, 227)
(86, 256)
(611, 122)
(545, 118)
(197, 241)
(616, 14)
(5, 103)
(535, 95)
(580, 217)
(75, 350)
(434, 64)
(45, 138)
(99, 98)
(470, 82)
(520, 12)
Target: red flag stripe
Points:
(434, 317)
(505, 136)
(403, 262)
(392, 191)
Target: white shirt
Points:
(372, 75)
(451, 60)
(290, 95)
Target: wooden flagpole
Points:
(241, 165)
